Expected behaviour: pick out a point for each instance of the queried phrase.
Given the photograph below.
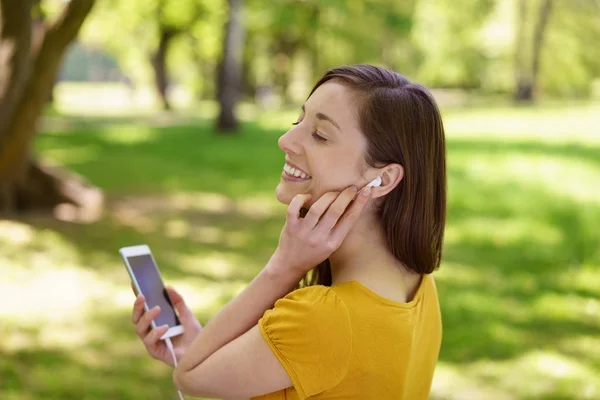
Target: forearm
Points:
(241, 314)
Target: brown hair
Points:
(402, 124)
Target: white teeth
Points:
(295, 172)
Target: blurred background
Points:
(156, 121)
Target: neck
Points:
(364, 255)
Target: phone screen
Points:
(146, 274)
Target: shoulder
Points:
(309, 332)
(315, 304)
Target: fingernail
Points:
(366, 191)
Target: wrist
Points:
(280, 271)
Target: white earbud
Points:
(375, 182)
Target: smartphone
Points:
(147, 280)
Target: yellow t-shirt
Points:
(347, 342)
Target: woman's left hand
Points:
(305, 242)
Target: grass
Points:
(518, 285)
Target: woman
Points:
(367, 323)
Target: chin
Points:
(284, 196)
(286, 191)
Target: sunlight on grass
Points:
(536, 374)
(140, 212)
(551, 124)
(214, 235)
(129, 135)
(76, 155)
(574, 179)
(585, 277)
(571, 307)
(47, 291)
(582, 346)
(502, 231)
(16, 234)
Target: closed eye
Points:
(315, 134)
(318, 137)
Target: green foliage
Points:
(290, 43)
(473, 43)
(136, 24)
(447, 34)
(572, 55)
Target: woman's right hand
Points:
(305, 242)
(156, 347)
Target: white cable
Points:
(172, 350)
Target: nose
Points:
(289, 142)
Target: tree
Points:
(160, 41)
(169, 28)
(159, 62)
(32, 54)
(230, 68)
(527, 75)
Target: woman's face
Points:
(326, 148)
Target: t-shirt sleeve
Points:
(309, 332)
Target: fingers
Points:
(335, 211)
(143, 325)
(179, 303)
(294, 210)
(346, 222)
(318, 209)
(138, 308)
(154, 336)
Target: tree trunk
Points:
(538, 42)
(527, 74)
(15, 40)
(522, 79)
(34, 59)
(159, 64)
(230, 68)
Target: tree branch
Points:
(65, 28)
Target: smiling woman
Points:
(347, 306)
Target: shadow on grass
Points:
(517, 275)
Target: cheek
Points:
(334, 177)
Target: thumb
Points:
(179, 304)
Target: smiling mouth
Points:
(295, 172)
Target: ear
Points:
(391, 175)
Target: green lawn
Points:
(518, 286)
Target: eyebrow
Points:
(324, 117)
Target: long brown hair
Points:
(402, 124)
